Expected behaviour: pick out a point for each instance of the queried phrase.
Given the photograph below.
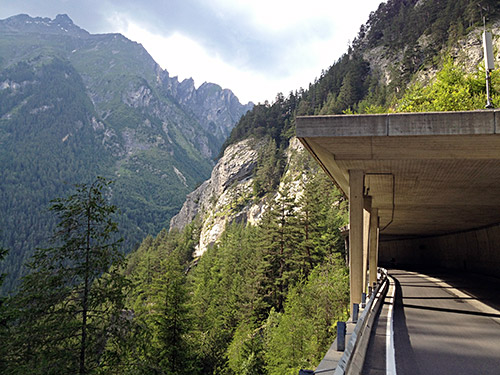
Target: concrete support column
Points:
(374, 237)
(367, 208)
(356, 235)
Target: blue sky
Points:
(256, 48)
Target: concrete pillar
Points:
(356, 235)
(367, 207)
(374, 237)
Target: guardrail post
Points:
(355, 312)
(363, 300)
(370, 291)
(341, 336)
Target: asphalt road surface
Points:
(444, 323)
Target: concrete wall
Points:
(477, 251)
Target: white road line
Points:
(390, 357)
(468, 298)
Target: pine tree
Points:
(172, 321)
(299, 336)
(320, 213)
(74, 290)
(279, 242)
(3, 321)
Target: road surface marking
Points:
(390, 357)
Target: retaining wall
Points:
(476, 251)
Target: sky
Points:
(256, 48)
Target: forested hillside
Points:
(75, 105)
(265, 295)
(410, 56)
(403, 42)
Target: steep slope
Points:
(234, 311)
(227, 197)
(233, 194)
(404, 41)
(74, 105)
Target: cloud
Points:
(277, 39)
(254, 44)
(225, 31)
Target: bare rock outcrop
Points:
(226, 197)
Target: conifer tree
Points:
(172, 321)
(162, 319)
(320, 215)
(279, 241)
(74, 291)
(3, 321)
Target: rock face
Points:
(216, 109)
(226, 197)
(468, 52)
(118, 71)
(62, 24)
(104, 98)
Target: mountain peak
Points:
(23, 23)
(63, 19)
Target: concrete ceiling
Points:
(427, 173)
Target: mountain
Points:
(74, 105)
(404, 44)
(263, 298)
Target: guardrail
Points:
(352, 358)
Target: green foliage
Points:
(453, 90)
(269, 168)
(158, 337)
(42, 154)
(75, 105)
(74, 291)
(4, 333)
(3, 253)
(280, 241)
(251, 270)
(246, 352)
(224, 293)
(222, 313)
(299, 337)
(53, 137)
(393, 33)
(267, 120)
(264, 299)
(399, 23)
(323, 212)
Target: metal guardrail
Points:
(352, 359)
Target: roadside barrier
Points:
(352, 359)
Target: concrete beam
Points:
(356, 203)
(428, 173)
(326, 158)
(399, 124)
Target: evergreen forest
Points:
(265, 298)
(74, 105)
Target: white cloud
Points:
(295, 41)
(185, 58)
(256, 48)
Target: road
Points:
(444, 323)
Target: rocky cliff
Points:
(229, 196)
(216, 109)
(74, 105)
(224, 198)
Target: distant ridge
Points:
(74, 105)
